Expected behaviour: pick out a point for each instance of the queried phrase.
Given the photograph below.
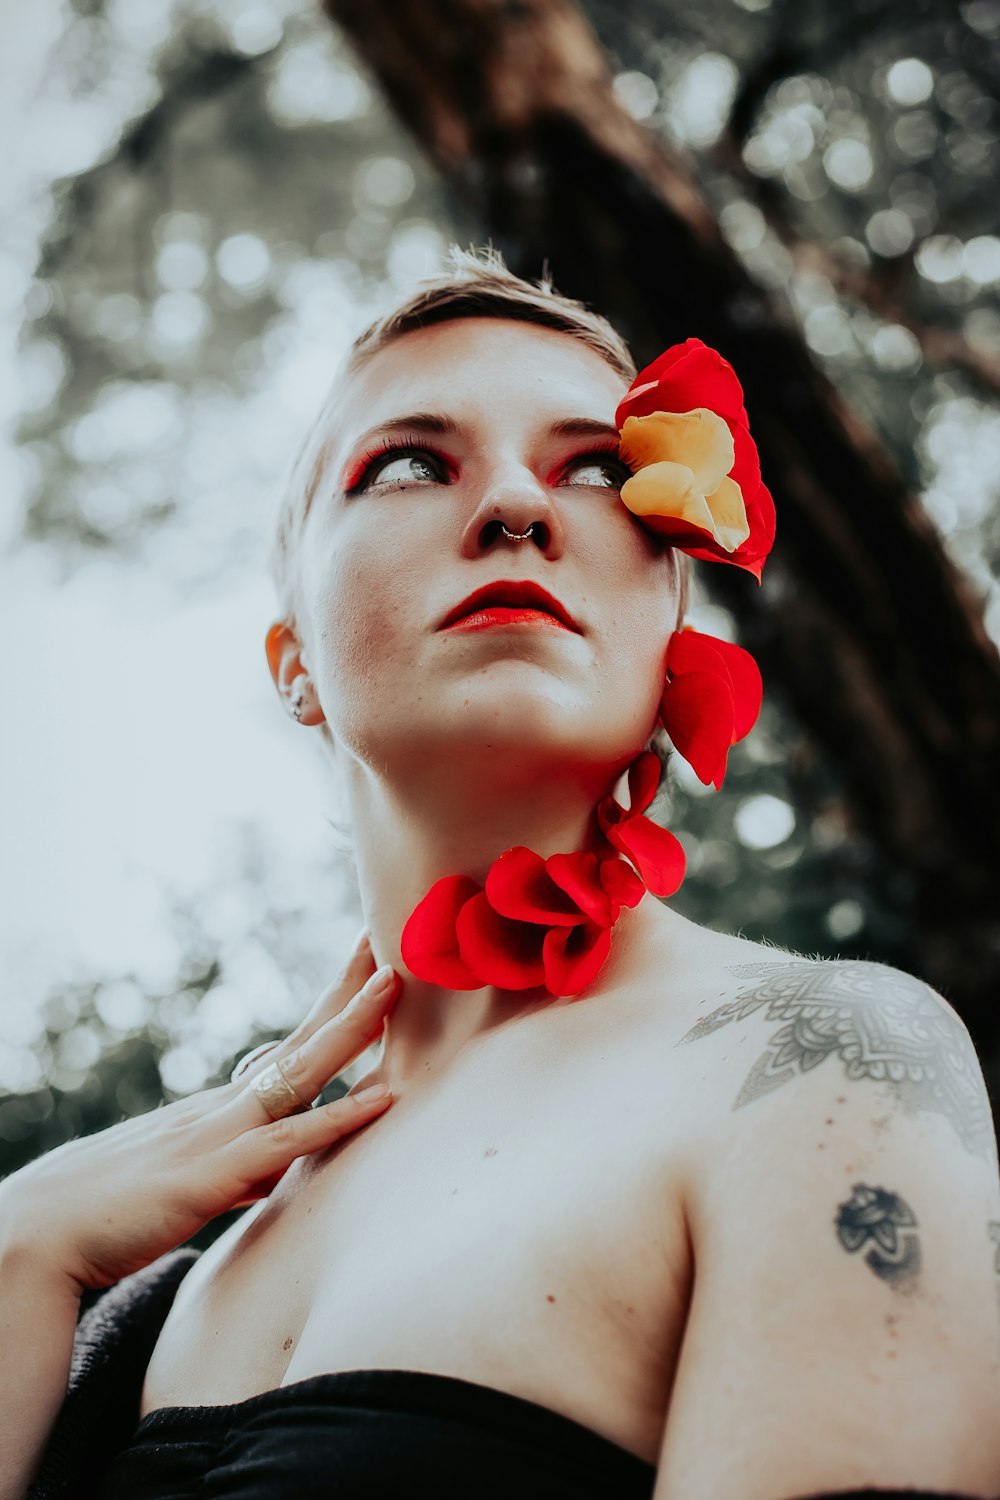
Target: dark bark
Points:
(863, 621)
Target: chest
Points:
(522, 1229)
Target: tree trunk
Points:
(864, 623)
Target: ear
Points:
(284, 658)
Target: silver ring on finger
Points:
(249, 1058)
(276, 1093)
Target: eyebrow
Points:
(429, 421)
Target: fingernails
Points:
(382, 979)
(363, 940)
(372, 1095)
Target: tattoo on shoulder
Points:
(882, 1220)
(882, 1024)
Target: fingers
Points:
(260, 1156)
(340, 1040)
(359, 968)
(309, 1067)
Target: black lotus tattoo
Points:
(874, 1216)
(883, 1025)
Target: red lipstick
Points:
(509, 602)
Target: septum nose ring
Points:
(517, 536)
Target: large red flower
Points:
(711, 699)
(536, 922)
(697, 478)
(655, 852)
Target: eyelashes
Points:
(364, 470)
(366, 465)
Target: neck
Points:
(407, 835)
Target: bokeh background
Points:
(204, 202)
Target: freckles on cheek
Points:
(362, 631)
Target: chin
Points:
(527, 728)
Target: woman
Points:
(648, 1209)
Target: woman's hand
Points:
(99, 1208)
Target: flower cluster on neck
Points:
(548, 923)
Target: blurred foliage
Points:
(244, 201)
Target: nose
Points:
(516, 502)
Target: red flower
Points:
(537, 922)
(655, 852)
(429, 943)
(711, 699)
(695, 484)
(500, 950)
(574, 956)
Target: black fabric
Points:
(114, 1342)
(380, 1433)
(373, 1435)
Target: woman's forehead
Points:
(476, 371)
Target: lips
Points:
(510, 594)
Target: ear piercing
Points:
(298, 702)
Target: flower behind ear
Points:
(654, 851)
(697, 478)
(711, 699)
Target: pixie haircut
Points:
(478, 284)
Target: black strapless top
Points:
(372, 1435)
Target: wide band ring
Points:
(248, 1058)
(276, 1093)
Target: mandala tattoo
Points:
(882, 1024)
(879, 1218)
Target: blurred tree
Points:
(867, 624)
(809, 188)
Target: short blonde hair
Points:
(478, 284)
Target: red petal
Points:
(519, 886)
(691, 650)
(429, 945)
(684, 535)
(655, 852)
(753, 553)
(685, 376)
(621, 883)
(643, 779)
(697, 712)
(748, 690)
(579, 877)
(746, 468)
(609, 813)
(507, 953)
(574, 956)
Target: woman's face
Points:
(387, 554)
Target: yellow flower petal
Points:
(729, 513)
(666, 489)
(699, 439)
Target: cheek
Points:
(641, 624)
(639, 652)
(364, 611)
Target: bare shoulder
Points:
(847, 1024)
(840, 1191)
